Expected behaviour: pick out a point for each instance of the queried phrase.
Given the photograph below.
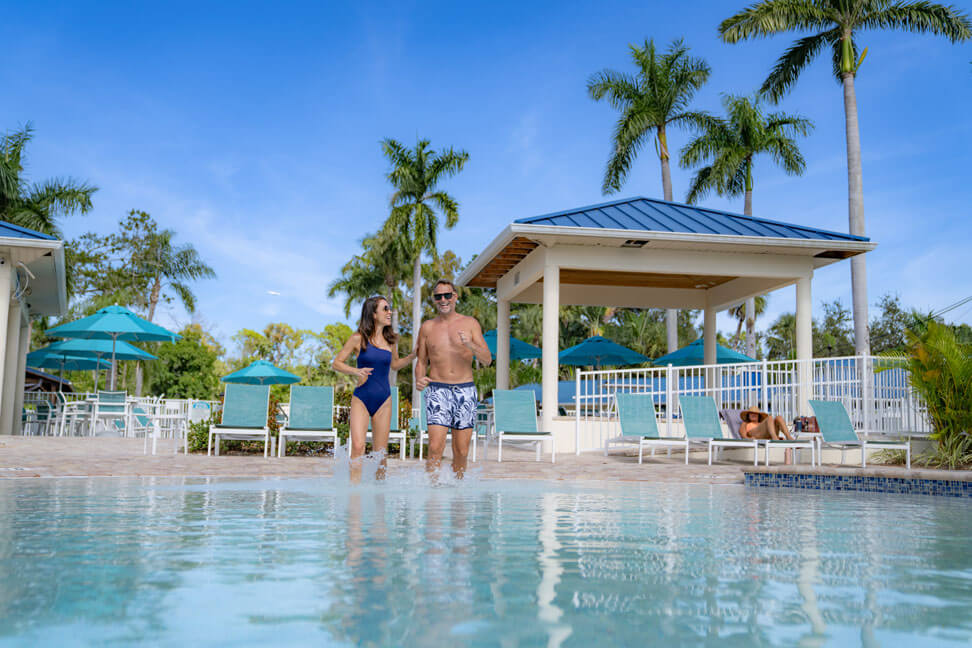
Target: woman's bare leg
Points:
(358, 433)
(380, 429)
(781, 427)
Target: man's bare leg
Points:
(437, 439)
(460, 451)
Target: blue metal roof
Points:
(9, 230)
(649, 214)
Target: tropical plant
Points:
(36, 206)
(655, 98)
(416, 174)
(155, 262)
(746, 315)
(940, 370)
(835, 23)
(729, 146)
(188, 367)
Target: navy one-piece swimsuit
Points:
(375, 391)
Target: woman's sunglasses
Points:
(438, 296)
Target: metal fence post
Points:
(577, 409)
(669, 403)
(763, 390)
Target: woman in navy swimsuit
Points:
(374, 345)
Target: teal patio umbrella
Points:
(44, 359)
(261, 372)
(98, 349)
(114, 323)
(598, 351)
(519, 350)
(694, 354)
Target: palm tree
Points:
(36, 206)
(835, 23)
(416, 174)
(729, 146)
(746, 314)
(162, 265)
(656, 97)
(379, 270)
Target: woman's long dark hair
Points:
(366, 325)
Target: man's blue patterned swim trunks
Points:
(452, 406)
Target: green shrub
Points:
(941, 372)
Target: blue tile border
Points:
(945, 487)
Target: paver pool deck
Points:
(26, 457)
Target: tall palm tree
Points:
(36, 206)
(651, 101)
(729, 146)
(835, 23)
(746, 315)
(378, 270)
(165, 265)
(416, 174)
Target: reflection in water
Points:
(191, 561)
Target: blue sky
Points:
(254, 131)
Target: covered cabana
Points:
(646, 253)
(31, 284)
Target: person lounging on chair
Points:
(771, 432)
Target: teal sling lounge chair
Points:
(636, 414)
(836, 430)
(311, 417)
(702, 425)
(515, 416)
(244, 416)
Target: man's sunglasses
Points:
(438, 296)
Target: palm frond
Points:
(620, 89)
(185, 295)
(629, 137)
(922, 17)
(62, 197)
(772, 17)
(793, 61)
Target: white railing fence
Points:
(875, 390)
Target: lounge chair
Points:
(396, 433)
(636, 414)
(702, 426)
(515, 416)
(244, 417)
(837, 431)
(311, 417)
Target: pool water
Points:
(196, 561)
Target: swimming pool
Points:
(192, 561)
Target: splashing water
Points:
(412, 475)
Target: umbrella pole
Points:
(114, 370)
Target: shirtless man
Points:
(446, 346)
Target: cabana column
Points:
(804, 340)
(502, 343)
(5, 289)
(551, 339)
(709, 334)
(10, 363)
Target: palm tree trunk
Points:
(153, 302)
(392, 374)
(671, 314)
(751, 302)
(416, 316)
(855, 213)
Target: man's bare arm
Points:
(422, 363)
(478, 344)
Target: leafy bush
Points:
(941, 372)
